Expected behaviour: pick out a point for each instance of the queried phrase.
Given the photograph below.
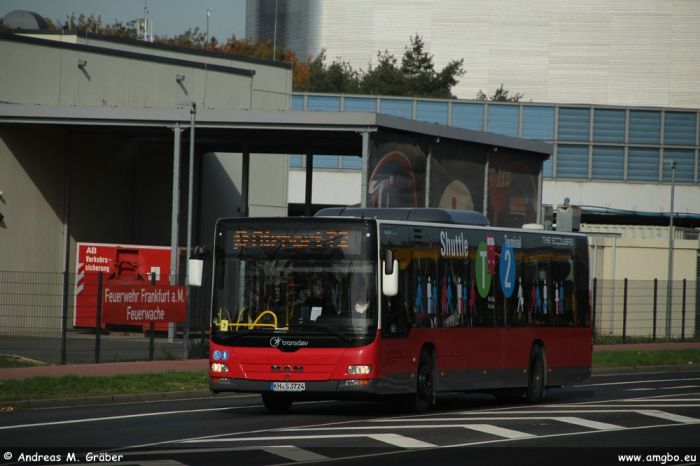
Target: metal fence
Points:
(41, 319)
(640, 308)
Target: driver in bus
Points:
(318, 302)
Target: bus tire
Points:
(277, 401)
(535, 381)
(425, 384)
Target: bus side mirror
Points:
(390, 278)
(196, 266)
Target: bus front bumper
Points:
(328, 387)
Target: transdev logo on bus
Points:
(456, 246)
(276, 342)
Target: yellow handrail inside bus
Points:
(249, 325)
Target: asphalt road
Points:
(595, 423)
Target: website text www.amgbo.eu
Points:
(666, 458)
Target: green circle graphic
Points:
(483, 279)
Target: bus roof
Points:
(420, 214)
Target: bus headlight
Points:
(359, 369)
(219, 367)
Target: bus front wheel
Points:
(276, 401)
(535, 383)
(425, 387)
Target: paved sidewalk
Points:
(111, 368)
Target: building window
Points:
(643, 164)
(644, 127)
(608, 162)
(350, 162)
(503, 119)
(609, 125)
(322, 103)
(360, 104)
(468, 116)
(298, 103)
(574, 125)
(685, 165)
(432, 112)
(572, 161)
(396, 107)
(679, 128)
(538, 123)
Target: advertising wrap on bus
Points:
(302, 307)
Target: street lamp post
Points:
(274, 40)
(211, 8)
(186, 328)
(669, 287)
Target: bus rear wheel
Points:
(277, 401)
(535, 383)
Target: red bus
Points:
(381, 303)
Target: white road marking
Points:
(112, 418)
(498, 431)
(393, 439)
(633, 382)
(286, 451)
(670, 416)
(293, 453)
(586, 423)
(401, 441)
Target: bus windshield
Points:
(298, 278)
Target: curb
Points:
(113, 399)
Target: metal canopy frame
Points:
(249, 132)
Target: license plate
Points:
(287, 386)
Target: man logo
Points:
(286, 368)
(275, 341)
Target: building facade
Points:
(610, 52)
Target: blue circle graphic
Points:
(217, 355)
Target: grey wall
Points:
(120, 175)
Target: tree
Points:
(420, 77)
(338, 77)
(416, 77)
(501, 95)
(385, 79)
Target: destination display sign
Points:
(138, 304)
(317, 240)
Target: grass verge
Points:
(11, 362)
(70, 386)
(661, 357)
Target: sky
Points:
(170, 17)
